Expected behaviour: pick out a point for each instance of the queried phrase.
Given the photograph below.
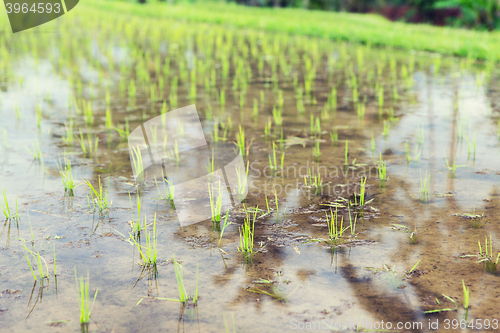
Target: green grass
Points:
(84, 300)
(364, 28)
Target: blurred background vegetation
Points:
(472, 14)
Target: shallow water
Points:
(322, 284)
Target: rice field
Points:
(372, 175)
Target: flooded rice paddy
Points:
(422, 138)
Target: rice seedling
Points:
(242, 182)
(466, 296)
(316, 151)
(487, 257)
(373, 143)
(92, 142)
(4, 204)
(247, 232)
(352, 223)
(275, 165)
(277, 116)
(38, 260)
(346, 152)
(240, 141)
(88, 113)
(36, 153)
(276, 291)
(109, 119)
(215, 206)
(255, 108)
(168, 191)
(18, 114)
(69, 133)
(315, 182)
(147, 251)
(184, 297)
(334, 137)
(335, 229)
(98, 200)
(421, 136)
(224, 226)
(361, 110)
(123, 132)
(424, 187)
(362, 190)
(226, 324)
(412, 234)
(84, 300)
(471, 144)
(382, 171)
(137, 161)
(66, 176)
(453, 167)
(387, 127)
(38, 114)
(407, 151)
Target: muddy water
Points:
(318, 283)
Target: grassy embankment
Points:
(364, 28)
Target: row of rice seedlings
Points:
(4, 204)
(148, 250)
(276, 165)
(424, 187)
(66, 176)
(98, 200)
(84, 300)
(247, 233)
